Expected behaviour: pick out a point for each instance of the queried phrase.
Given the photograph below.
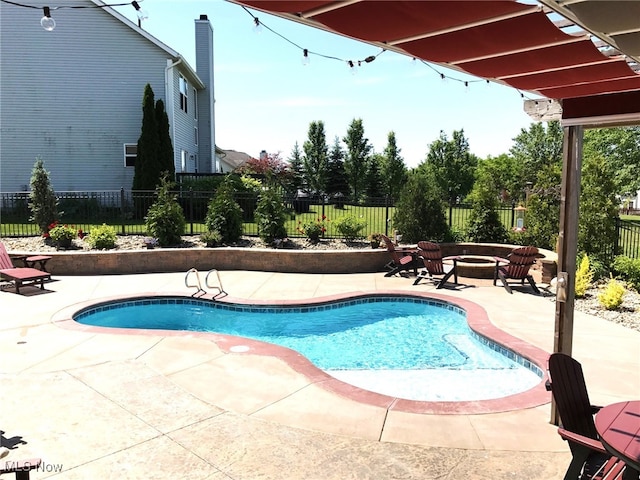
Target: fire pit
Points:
(476, 266)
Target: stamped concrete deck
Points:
(95, 405)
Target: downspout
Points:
(171, 103)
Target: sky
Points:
(266, 98)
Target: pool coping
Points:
(477, 319)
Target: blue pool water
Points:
(348, 339)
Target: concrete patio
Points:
(176, 406)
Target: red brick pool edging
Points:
(477, 319)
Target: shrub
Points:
(102, 237)
(584, 276)
(224, 215)
(628, 269)
(61, 235)
(42, 199)
(212, 238)
(271, 216)
(420, 213)
(313, 230)
(165, 218)
(350, 227)
(611, 297)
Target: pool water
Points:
(377, 343)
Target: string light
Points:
(257, 26)
(355, 64)
(48, 23)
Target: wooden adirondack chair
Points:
(401, 260)
(435, 265)
(589, 460)
(20, 275)
(516, 267)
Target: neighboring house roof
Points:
(195, 80)
(233, 158)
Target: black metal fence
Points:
(125, 210)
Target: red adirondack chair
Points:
(435, 265)
(516, 267)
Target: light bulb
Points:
(46, 21)
(257, 27)
(305, 57)
(142, 14)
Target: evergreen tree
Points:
(394, 171)
(315, 158)
(484, 224)
(358, 151)
(297, 168)
(165, 218)
(374, 185)
(165, 161)
(420, 213)
(42, 199)
(146, 173)
(336, 175)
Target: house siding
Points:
(73, 96)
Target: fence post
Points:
(324, 199)
(191, 209)
(386, 215)
(122, 212)
(513, 214)
(616, 246)
(450, 213)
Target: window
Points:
(130, 154)
(195, 104)
(195, 134)
(184, 88)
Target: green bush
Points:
(271, 216)
(584, 277)
(224, 215)
(611, 297)
(102, 237)
(420, 213)
(165, 219)
(62, 235)
(628, 269)
(212, 238)
(350, 228)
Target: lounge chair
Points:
(20, 276)
(516, 267)
(431, 256)
(589, 457)
(401, 260)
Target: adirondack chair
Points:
(516, 267)
(20, 276)
(401, 260)
(589, 457)
(435, 265)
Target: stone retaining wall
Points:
(230, 258)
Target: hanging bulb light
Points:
(257, 26)
(305, 57)
(142, 14)
(353, 67)
(466, 87)
(46, 21)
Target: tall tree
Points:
(315, 159)
(358, 151)
(165, 148)
(621, 149)
(452, 165)
(394, 170)
(297, 168)
(538, 147)
(502, 174)
(374, 185)
(146, 173)
(336, 175)
(43, 202)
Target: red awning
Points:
(504, 41)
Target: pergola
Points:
(580, 57)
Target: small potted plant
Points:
(375, 239)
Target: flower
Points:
(313, 230)
(81, 234)
(62, 234)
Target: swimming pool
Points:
(409, 347)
